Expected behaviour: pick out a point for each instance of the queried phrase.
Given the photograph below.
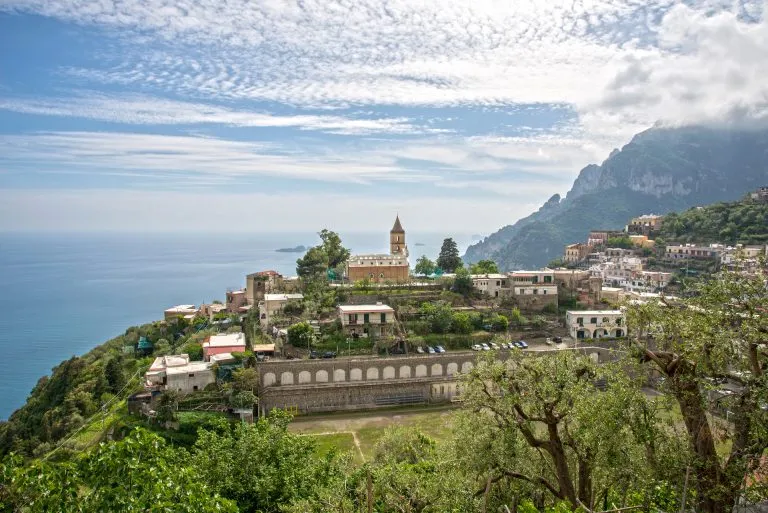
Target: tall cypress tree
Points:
(449, 258)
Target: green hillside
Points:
(743, 222)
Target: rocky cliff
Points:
(658, 171)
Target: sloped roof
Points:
(397, 228)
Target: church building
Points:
(383, 267)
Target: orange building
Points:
(383, 267)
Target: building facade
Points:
(575, 253)
(647, 224)
(367, 320)
(492, 285)
(694, 251)
(383, 267)
(596, 323)
(273, 304)
(180, 312)
(178, 373)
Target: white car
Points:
(486, 347)
(548, 341)
(493, 346)
(477, 347)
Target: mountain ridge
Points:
(659, 171)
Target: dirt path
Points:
(354, 439)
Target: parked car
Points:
(486, 347)
(493, 346)
(329, 354)
(313, 355)
(477, 347)
(557, 340)
(548, 341)
(522, 344)
(430, 350)
(440, 349)
(420, 350)
(260, 356)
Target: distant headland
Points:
(297, 249)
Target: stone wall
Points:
(308, 386)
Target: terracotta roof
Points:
(397, 228)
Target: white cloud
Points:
(146, 110)
(157, 211)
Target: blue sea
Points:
(63, 294)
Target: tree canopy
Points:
(484, 267)
(424, 266)
(449, 259)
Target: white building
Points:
(180, 311)
(177, 373)
(273, 304)
(363, 320)
(490, 284)
(596, 323)
(524, 283)
(224, 343)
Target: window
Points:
(383, 318)
(381, 275)
(366, 318)
(593, 320)
(547, 279)
(545, 292)
(618, 321)
(580, 321)
(192, 375)
(535, 279)
(605, 319)
(535, 291)
(498, 283)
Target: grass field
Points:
(358, 432)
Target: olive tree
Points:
(719, 333)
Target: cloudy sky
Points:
(291, 114)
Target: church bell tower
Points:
(397, 239)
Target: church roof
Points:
(397, 228)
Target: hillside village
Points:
(379, 314)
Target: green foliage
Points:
(449, 259)
(499, 323)
(619, 242)
(727, 223)
(194, 350)
(313, 264)
(461, 323)
(246, 379)
(138, 474)
(484, 267)
(424, 266)
(462, 283)
(516, 318)
(300, 334)
(438, 315)
(262, 466)
(167, 406)
(318, 260)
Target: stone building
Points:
(492, 285)
(273, 304)
(647, 225)
(575, 253)
(596, 323)
(383, 267)
(367, 320)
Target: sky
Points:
(283, 115)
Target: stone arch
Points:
(421, 371)
(582, 333)
(600, 332)
(389, 372)
(305, 377)
(339, 375)
(466, 367)
(452, 368)
(286, 378)
(405, 371)
(269, 379)
(321, 376)
(436, 370)
(619, 332)
(372, 373)
(356, 375)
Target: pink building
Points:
(218, 344)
